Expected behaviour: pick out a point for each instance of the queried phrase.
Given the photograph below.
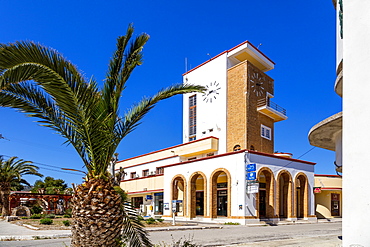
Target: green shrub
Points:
(36, 209)
(231, 223)
(58, 217)
(46, 221)
(67, 216)
(139, 217)
(160, 220)
(66, 222)
(24, 218)
(150, 221)
(36, 216)
(50, 216)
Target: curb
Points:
(153, 229)
(34, 237)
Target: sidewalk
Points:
(9, 231)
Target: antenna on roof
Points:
(186, 64)
(259, 45)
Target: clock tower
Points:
(236, 106)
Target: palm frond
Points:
(136, 113)
(133, 230)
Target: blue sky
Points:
(299, 36)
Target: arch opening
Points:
(265, 194)
(284, 194)
(197, 195)
(178, 193)
(301, 196)
(220, 194)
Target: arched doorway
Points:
(265, 205)
(178, 194)
(220, 193)
(301, 185)
(284, 198)
(198, 199)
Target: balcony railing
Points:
(268, 103)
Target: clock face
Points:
(257, 84)
(212, 92)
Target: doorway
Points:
(262, 202)
(335, 204)
(222, 203)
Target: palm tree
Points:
(11, 172)
(43, 84)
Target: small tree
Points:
(11, 171)
(50, 186)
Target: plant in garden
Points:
(150, 221)
(46, 221)
(36, 216)
(41, 83)
(66, 222)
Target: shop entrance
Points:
(262, 202)
(222, 203)
(335, 204)
(158, 203)
(199, 203)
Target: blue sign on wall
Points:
(251, 167)
(149, 197)
(251, 176)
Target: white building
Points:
(227, 129)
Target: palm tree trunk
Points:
(4, 195)
(97, 214)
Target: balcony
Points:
(271, 109)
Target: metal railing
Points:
(269, 103)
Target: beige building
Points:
(226, 169)
(328, 196)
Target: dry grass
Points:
(57, 223)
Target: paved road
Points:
(322, 234)
(234, 235)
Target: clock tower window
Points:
(192, 117)
(265, 132)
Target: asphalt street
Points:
(318, 234)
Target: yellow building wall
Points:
(204, 146)
(323, 204)
(145, 184)
(328, 185)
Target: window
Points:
(159, 170)
(136, 202)
(133, 175)
(192, 117)
(146, 173)
(265, 132)
(236, 148)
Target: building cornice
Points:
(227, 51)
(323, 134)
(172, 147)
